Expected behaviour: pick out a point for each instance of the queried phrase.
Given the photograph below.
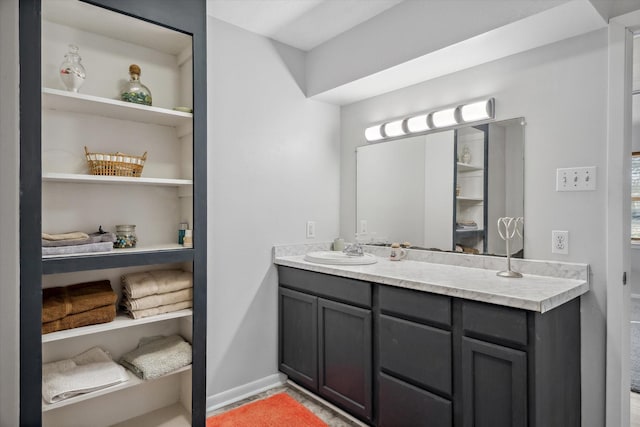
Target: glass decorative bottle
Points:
(72, 73)
(134, 90)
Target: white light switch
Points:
(311, 229)
(576, 179)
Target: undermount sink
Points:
(339, 258)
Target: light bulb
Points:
(394, 128)
(373, 133)
(418, 123)
(444, 118)
(476, 111)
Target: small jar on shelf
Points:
(125, 236)
(134, 91)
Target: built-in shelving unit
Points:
(471, 186)
(59, 195)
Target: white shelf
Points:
(121, 321)
(466, 167)
(150, 248)
(469, 230)
(170, 416)
(55, 99)
(470, 199)
(125, 180)
(117, 26)
(132, 382)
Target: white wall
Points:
(274, 163)
(561, 91)
(9, 194)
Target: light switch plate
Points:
(576, 179)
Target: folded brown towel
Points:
(61, 301)
(92, 317)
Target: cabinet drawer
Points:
(332, 287)
(494, 321)
(403, 405)
(417, 352)
(416, 305)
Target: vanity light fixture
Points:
(393, 129)
(436, 120)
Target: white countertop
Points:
(531, 292)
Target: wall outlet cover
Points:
(560, 242)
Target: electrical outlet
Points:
(576, 179)
(311, 229)
(363, 226)
(560, 242)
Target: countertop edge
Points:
(537, 305)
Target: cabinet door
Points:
(298, 340)
(494, 385)
(344, 344)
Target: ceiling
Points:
(303, 24)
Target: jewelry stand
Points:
(508, 227)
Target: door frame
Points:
(618, 216)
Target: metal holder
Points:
(508, 227)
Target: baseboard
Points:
(323, 402)
(233, 395)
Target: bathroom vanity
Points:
(414, 343)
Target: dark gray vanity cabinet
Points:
(436, 361)
(325, 342)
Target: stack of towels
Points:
(156, 292)
(157, 356)
(77, 305)
(463, 224)
(86, 372)
(77, 242)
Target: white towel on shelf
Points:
(89, 371)
(157, 356)
(138, 285)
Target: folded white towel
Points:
(157, 356)
(138, 285)
(157, 300)
(86, 372)
(161, 309)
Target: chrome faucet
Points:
(354, 249)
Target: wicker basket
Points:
(115, 164)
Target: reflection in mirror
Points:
(443, 191)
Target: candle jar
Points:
(125, 236)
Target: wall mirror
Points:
(443, 191)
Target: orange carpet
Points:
(279, 410)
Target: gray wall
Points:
(561, 90)
(274, 163)
(9, 179)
